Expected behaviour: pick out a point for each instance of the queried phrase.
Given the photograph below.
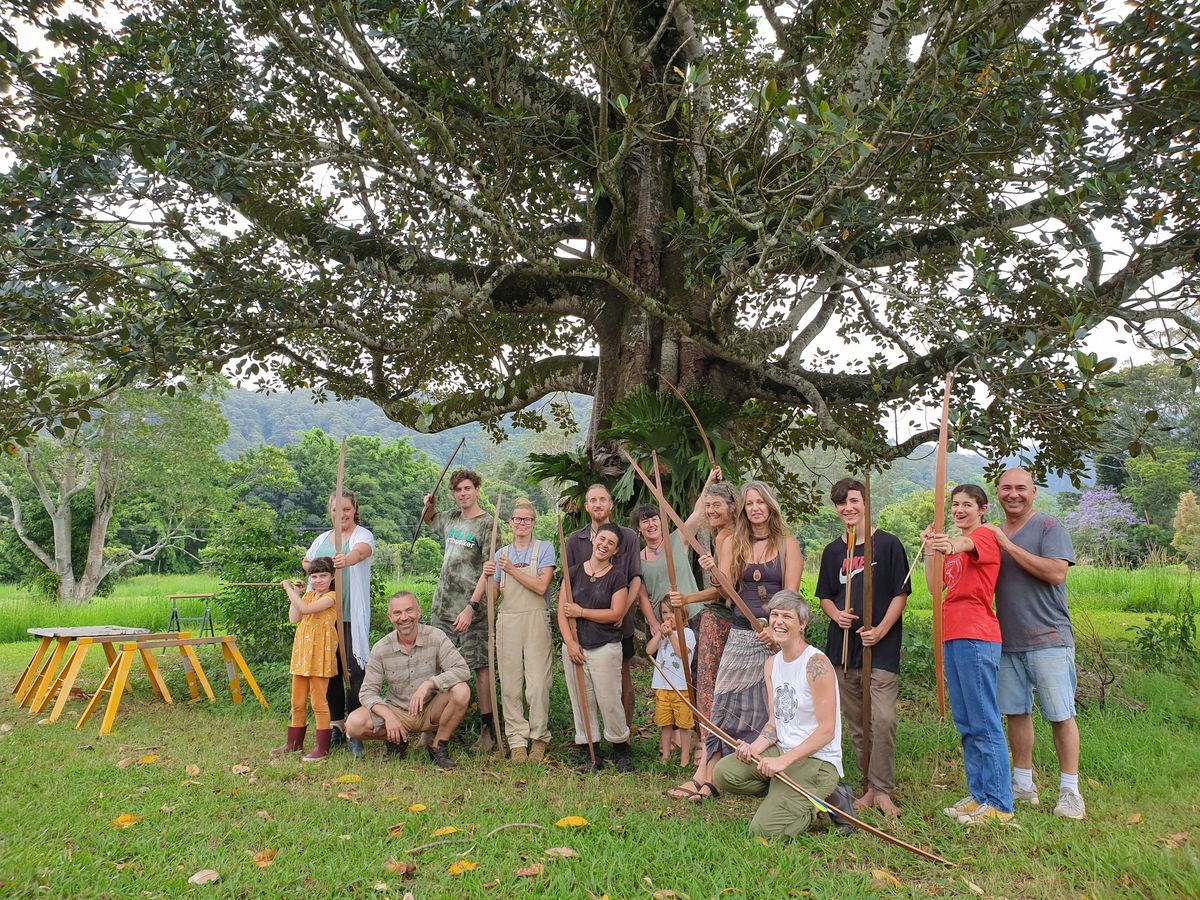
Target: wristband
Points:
(474, 604)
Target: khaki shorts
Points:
(412, 724)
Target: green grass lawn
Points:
(66, 788)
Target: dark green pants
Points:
(784, 813)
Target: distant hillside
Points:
(278, 420)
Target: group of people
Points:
(777, 702)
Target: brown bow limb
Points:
(721, 579)
(337, 572)
(580, 679)
(679, 611)
(939, 518)
(851, 541)
(812, 798)
(868, 621)
(712, 459)
(437, 484)
(491, 621)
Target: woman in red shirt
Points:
(971, 649)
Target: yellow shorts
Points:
(412, 724)
(669, 709)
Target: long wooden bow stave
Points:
(939, 519)
(816, 801)
(492, 589)
(868, 621)
(712, 458)
(580, 678)
(437, 484)
(337, 572)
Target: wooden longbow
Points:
(580, 678)
(337, 573)
(492, 589)
(939, 519)
(868, 621)
(712, 459)
(812, 798)
(437, 484)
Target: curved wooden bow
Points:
(437, 484)
(939, 519)
(719, 578)
(812, 798)
(492, 590)
(712, 459)
(337, 573)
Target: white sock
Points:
(1023, 778)
(1068, 783)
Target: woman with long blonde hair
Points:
(761, 558)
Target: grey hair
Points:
(790, 601)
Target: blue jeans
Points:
(971, 671)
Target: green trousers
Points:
(784, 813)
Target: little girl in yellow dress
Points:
(314, 658)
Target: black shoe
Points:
(585, 760)
(338, 739)
(397, 751)
(441, 759)
(621, 758)
(842, 799)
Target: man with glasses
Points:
(522, 570)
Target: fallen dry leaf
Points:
(463, 865)
(403, 869)
(166, 809)
(571, 822)
(343, 837)
(885, 878)
(264, 858)
(264, 815)
(1135, 819)
(240, 770)
(664, 895)
(561, 852)
(192, 771)
(352, 796)
(488, 884)
(6, 727)
(396, 830)
(124, 820)
(233, 791)
(381, 887)
(973, 887)
(532, 871)
(125, 763)
(444, 830)
(148, 759)
(205, 876)
(187, 781)
(417, 807)
(1176, 840)
(348, 779)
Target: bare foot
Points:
(866, 801)
(885, 804)
(664, 757)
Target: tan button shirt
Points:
(432, 656)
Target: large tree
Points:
(456, 209)
(146, 464)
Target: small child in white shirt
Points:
(671, 714)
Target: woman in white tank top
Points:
(803, 735)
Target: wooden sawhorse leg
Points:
(155, 675)
(193, 670)
(41, 686)
(235, 663)
(22, 685)
(66, 680)
(114, 685)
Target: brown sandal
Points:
(700, 797)
(683, 792)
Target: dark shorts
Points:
(626, 649)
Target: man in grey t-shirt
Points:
(1038, 649)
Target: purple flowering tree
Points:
(1101, 527)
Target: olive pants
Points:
(784, 813)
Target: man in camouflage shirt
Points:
(465, 532)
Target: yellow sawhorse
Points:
(117, 678)
(40, 680)
(61, 686)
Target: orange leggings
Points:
(306, 689)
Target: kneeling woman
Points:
(971, 647)
(803, 734)
(599, 594)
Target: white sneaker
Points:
(1070, 805)
(1026, 795)
(963, 807)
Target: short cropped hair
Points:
(645, 511)
(790, 601)
(841, 489)
(611, 529)
(400, 595)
